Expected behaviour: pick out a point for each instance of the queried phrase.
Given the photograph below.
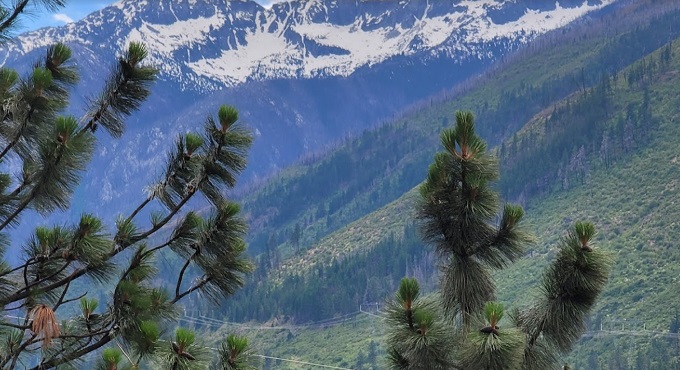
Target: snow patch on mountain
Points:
(236, 65)
(368, 47)
(212, 44)
(268, 55)
(534, 21)
(166, 39)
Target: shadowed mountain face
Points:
(303, 74)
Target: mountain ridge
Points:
(289, 116)
(343, 212)
(268, 205)
(213, 44)
(629, 193)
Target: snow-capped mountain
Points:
(210, 44)
(303, 73)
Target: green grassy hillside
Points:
(328, 191)
(634, 203)
(327, 199)
(578, 136)
(632, 198)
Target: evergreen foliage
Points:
(622, 126)
(457, 210)
(324, 194)
(236, 354)
(345, 285)
(49, 320)
(641, 232)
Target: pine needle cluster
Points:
(44, 324)
(462, 218)
(49, 323)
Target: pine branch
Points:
(138, 209)
(159, 247)
(14, 356)
(201, 284)
(22, 294)
(82, 348)
(85, 336)
(507, 244)
(16, 308)
(570, 287)
(10, 21)
(170, 176)
(181, 275)
(20, 207)
(127, 87)
(35, 190)
(19, 189)
(70, 336)
(39, 281)
(19, 133)
(42, 95)
(16, 326)
(30, 261)
(25, 293)
(60, 301)
(54, 362)
(165, 220)
(537, 333)
(63, 301)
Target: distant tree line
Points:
(598, 127)
(344, 285)
(330, 192)
(592, 128)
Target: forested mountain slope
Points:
(284, 67)
(628, 187)
(334, 191)
(331, 189)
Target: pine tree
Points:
(48, 319)
(461, 326)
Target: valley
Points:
(346, 101)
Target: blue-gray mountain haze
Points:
(303, 74)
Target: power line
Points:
(629, 332)
(297, 361)
(374, 315)
(304, 362)
(218, 323)
(592, 333)
(316, 324)
(327, 322)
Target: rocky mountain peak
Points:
(285, 68)
(211, 44)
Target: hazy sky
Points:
(76, 10)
